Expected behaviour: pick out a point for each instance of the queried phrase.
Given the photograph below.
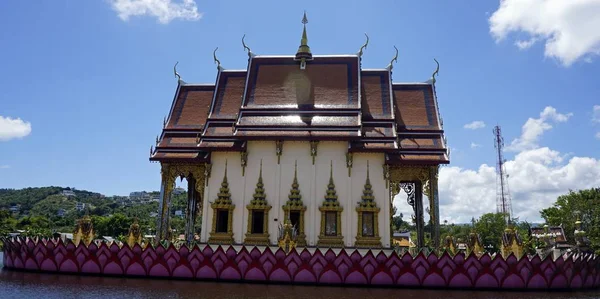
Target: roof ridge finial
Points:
(391, 65)
(217, 61)
(436, 72)
(360, 52)
(176, 73)
(250, 54)
(304, 53)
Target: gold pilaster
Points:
(279, 150)
(313, 150)
(349, 161)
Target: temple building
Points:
(315, 140)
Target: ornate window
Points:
(222, 221)
(258, 216)
(294, 210)
(331, 224)
(368, 232)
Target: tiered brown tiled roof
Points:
(330, 99)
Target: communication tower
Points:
(503, 200)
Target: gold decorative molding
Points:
(368, 205)
(258, 203)
(386, 175)
(279, 150)
(223, 202)
(295, 204)
(331, 204)
(244, 158)
(313, 150)
(349, 161)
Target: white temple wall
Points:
(312, 179)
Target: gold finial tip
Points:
(304, 18)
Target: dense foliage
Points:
(583, 204)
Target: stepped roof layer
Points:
(305, 97)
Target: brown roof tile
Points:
(417, 159)
(191, 107)
(421, 143)
(375, 95)
(328, 82)
(374, 131)
(178, 142)
(297, 121)
(415, 107)
(229, 95)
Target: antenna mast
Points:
(503, 201)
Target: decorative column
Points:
(367, 235)
(258, 204)
(434, 205)
(191, 211)
(162, 225)
(412, 179)
(331, 228)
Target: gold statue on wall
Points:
(135, 234)
(84, 231)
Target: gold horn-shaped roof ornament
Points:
(217, 61)
(246, 48)
(176, 73)
(436, 72)
(360, 52)
(395, 59)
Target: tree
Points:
(490, 227)
(583, 204)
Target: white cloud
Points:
(164, 10)
(568, 27)
(598, 135)
(533, 129)
(596, 114)
(525, 44)
(475, 145)
(536, 178)
(4, 166)
(11, 128)
(478, 124)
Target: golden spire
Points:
(259, 192)
(367, 197)
(304, 53)
(331, 193)
(224, 196)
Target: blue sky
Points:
(85, 85)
